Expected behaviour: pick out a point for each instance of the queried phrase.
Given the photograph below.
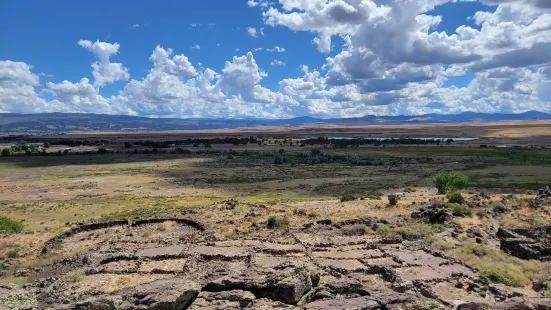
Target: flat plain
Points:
(236, 189)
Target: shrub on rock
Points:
(460, 210)
(449, 181)
(456, 198)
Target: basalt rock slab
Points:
(286, 284)
(527, 242)
(381, 301)
(438, 213)
(165, 294)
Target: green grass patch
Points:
(411, 232)
(460, 210)
(74, 277)
(456, 198)
(348, 197)
(14, 280)
(9, 225)
(547, 292)
(500, 267)
(438, 243)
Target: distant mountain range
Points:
(66, 122)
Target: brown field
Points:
(535, 129)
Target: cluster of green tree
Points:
(40, 152)
(356, 142)
(315, 157)
(69, 142)
(194, 142)
(22, 147)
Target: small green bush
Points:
(276, 222)
(9, 225)
(14, 280)
(460, 210)
(456, 198)
(438, 243)
(348, 197)
(13, 254)
(392, 199)
(279, 160)
(75, 276)
(508, 274)
(376, 195)
(498, 207)
(497, 266)
(547, 292)
(484, 194)
(450, 181)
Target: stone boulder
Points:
(349, 287)
(544, 195)
(285, 283)
(525, 304)
(435, 213)
(392, 300)
(474, 306)
(532, 242)
(235, 299)
(164, 294)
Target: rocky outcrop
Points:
(527, 242)
(436, 213)
(367, 221)
(169, 294)
(474, 306)
(391, 301)
(526, 304)
(178, 267)
(166, 294)
(285, 283)
(48, 245)
(543, 196)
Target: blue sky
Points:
(52, 28)
(336, 58)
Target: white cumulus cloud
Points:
(104, 71)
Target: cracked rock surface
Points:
(313, 268)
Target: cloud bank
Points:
(389, 60)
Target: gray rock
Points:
(284, 283)
(376, 301)
(358, 303)
(436, 213)
(526, 304)
(97, 304)
(345, 286)
(474, 306)
(267, 304)
(165, 294)
(527, 242)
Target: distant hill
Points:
(65, 122)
